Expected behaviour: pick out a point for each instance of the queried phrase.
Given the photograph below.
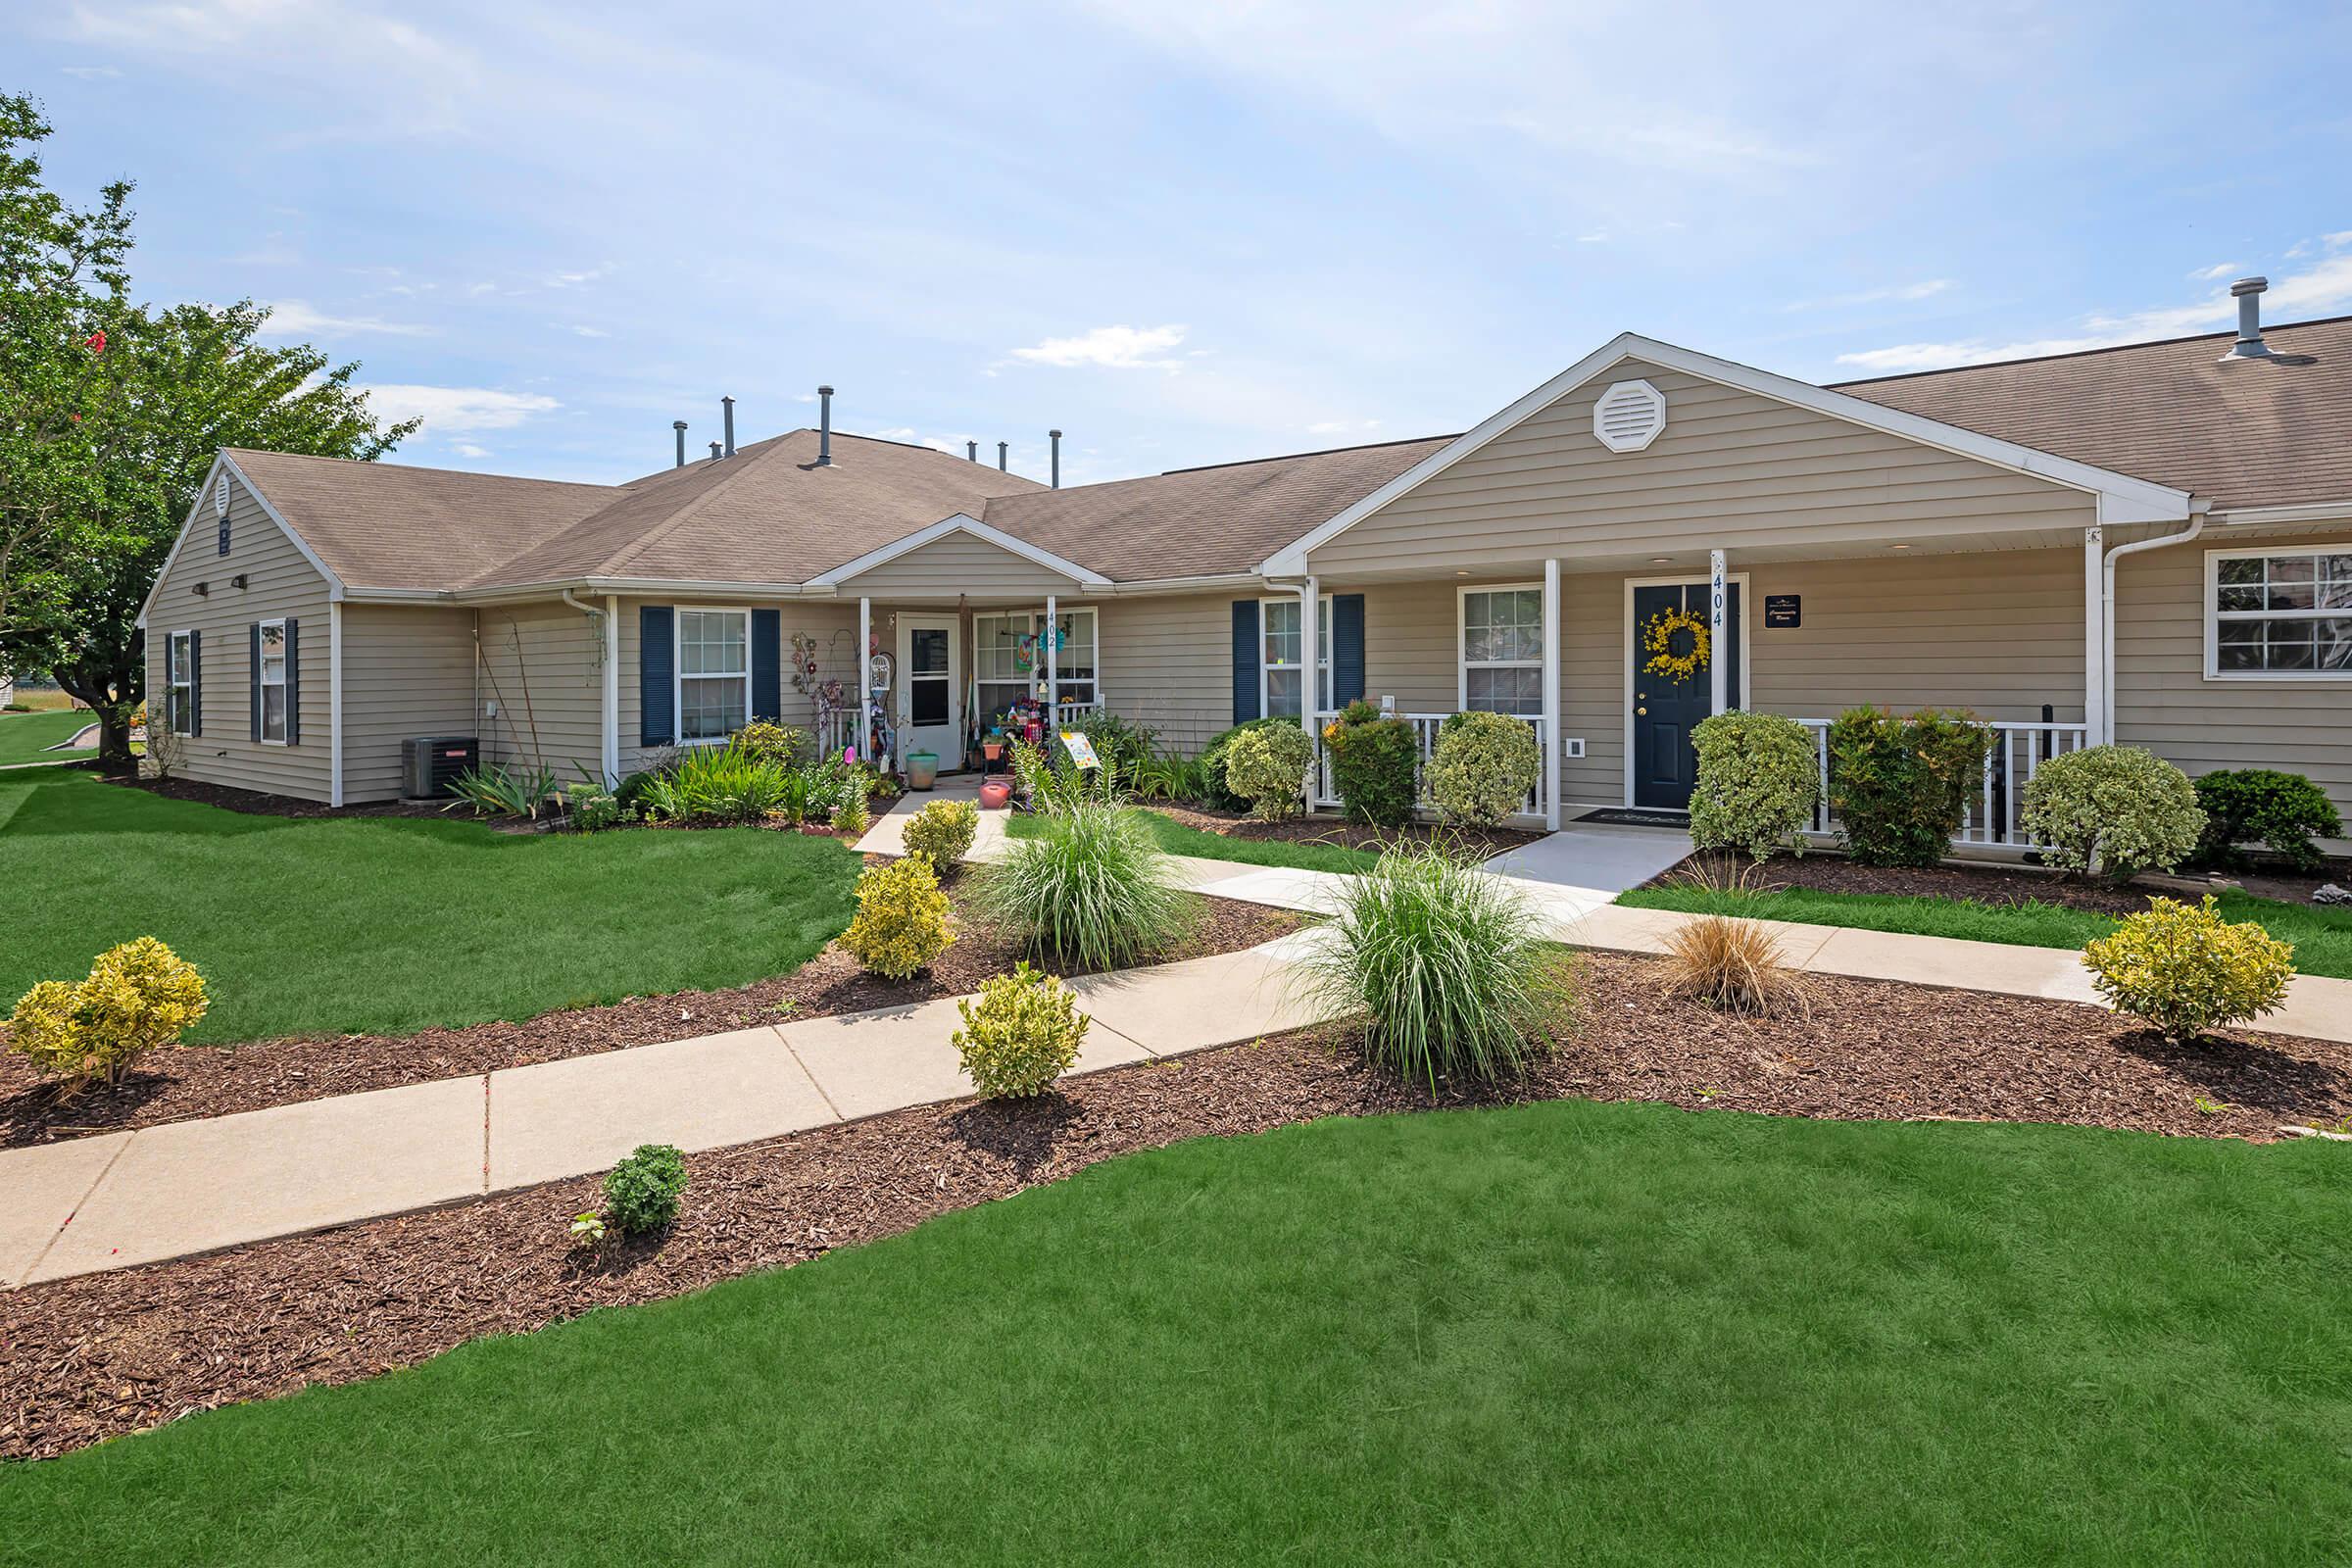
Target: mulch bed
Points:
(1481, 842)
(216, 1080)
(87, 1359)
(252, 802)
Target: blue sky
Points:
(1187, 232)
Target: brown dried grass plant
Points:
(1731, 964)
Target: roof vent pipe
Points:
(2249, 344)
(679, 425)
(971, 452)
(1057, 436)
(714, 452)
(728, 413)
(1002, 467)
(824, 427)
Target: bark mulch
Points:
(87, 1359)
(216, 1080)
(1483, 842)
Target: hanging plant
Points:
(1657, 640)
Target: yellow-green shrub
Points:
(1023, 1034)
(2185, 969)
(138, 996)
(1483, 767)
(942, 830)
(1267, 767)
(902, 921)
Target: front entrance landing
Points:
(1590, 863)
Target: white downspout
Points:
(609, 729)
(2094, 636)
(334, 702)
(2105, 736)
(1310, 685)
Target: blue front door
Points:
(1666, 712)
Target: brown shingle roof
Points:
(1202, 522)
(2247, 433)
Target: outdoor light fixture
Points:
(238, 581)
(202, 590)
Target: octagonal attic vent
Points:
(1629, 415)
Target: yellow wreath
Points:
(1657, 640)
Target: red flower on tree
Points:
(96, 342)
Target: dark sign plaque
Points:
(1783, 609)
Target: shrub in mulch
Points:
(107, 1354)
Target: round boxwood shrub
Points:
(641, 1192)
(1266, 765)
(1373, 759)
(1901, 786)
(2284, 811)
(902, 921)
(1483, 767)
(136, 996)
(2185, 969)
(1759, 779)
(1212, 762)
(942, 830)
(2116, 808)
(1023, 1033)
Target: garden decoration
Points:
(1657, 640)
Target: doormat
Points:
(1632, 816)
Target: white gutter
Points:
(610, 614)
(2279, 517)
(2196, 526)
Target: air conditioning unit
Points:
(429, 762)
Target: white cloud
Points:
(2214, 274)
(584, 330)
(1599, 237)
(1114, 348)
(575, 279)
(2323, 286)
(1926, 288)
(295, 319)
(455, 409)
(91, 73)
(467, 449)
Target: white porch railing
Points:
(1997, 797)
(834, 730)
(1425, 742)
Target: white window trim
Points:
(677, 669)
(262, 677)
(1462, 664)
(179, 709)
(1036, 619)
(2213, 616)
(1265, 707)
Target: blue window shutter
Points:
(195, 683)
(1347, 648)
(252, 640)
(657, 655)
(293, 682)
(767, 664)
(1246, 653)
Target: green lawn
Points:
(2322, 938)
(28, 737)
(1559, 1333)
(1178, 839)
(377, 924)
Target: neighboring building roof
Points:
(1199, 523)
(2245, 433)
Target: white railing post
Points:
(1547, 732)
(864, 676)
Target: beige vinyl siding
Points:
(278, 583)
(1168, 662)
(1733, 470)
(958, 563)
(541, 666)
(2164, 701)
(832, 622)
(407, 670)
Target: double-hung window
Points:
(1282, 661)
(273, 681)
(715, 674)
(1009, 660)
(1502, 650)
(180, 662)
(2285, 614)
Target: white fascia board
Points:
(335, 591)
(960, 522)
(2279, 517)
(2120, 498)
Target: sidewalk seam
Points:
(50, 1246)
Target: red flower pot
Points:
(994, 794)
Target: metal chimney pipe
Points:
(679, 425)
(824, 427)
(2249, 344)
(1057, 436)
(714, 452)
(1002, 468)
(971, 452)
(728, 414)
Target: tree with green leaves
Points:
(113, 414)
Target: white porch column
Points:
(1551, 693)
(1310, 688)
(1053, 671)
(1719, 625)
(864, 676)
(612, 673)
(2095, 637)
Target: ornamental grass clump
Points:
(1731, 964)
(902, 921)
(136, 996)
(2116, 809)
(1483, 767)
(944, 831)
(1759, 780)
(1092, 890)
(1267, 767)
(1023, 1033)
(2185, 969)
(1448, 969)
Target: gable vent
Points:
(1629, 415)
